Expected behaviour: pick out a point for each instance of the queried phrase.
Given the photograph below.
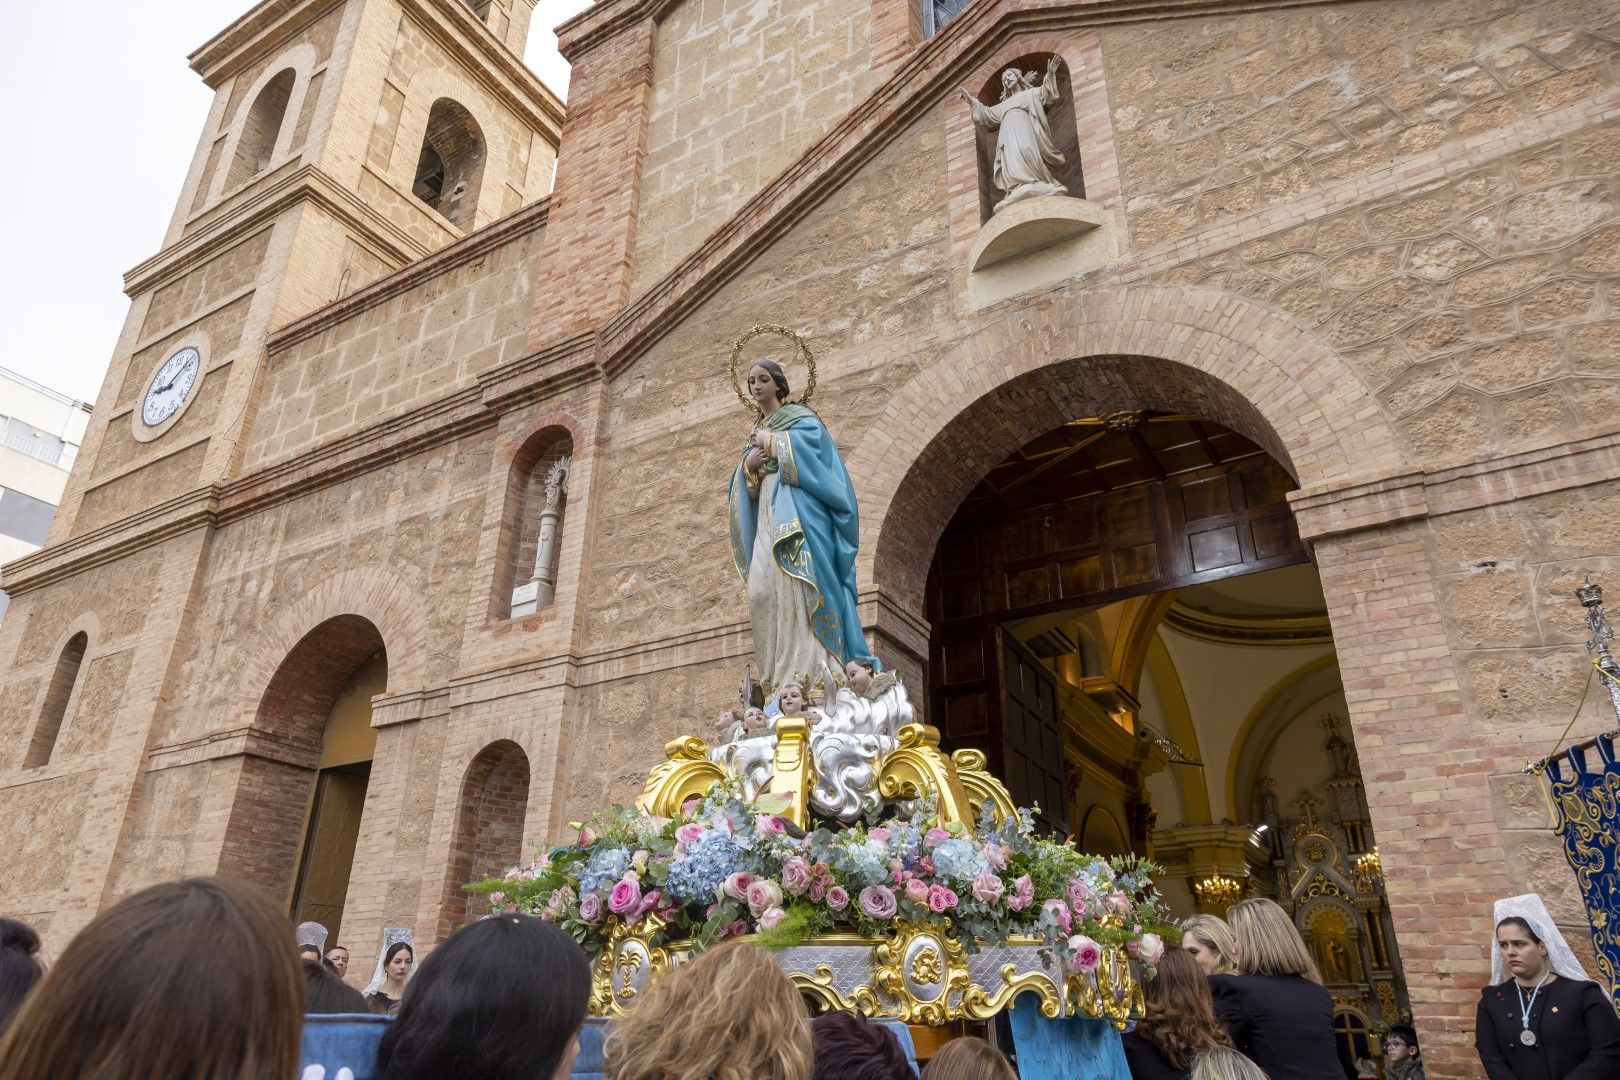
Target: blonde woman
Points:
(729, 1014)
(968, 1058)
(1209, 940)
(1224, 1063)
(1275, 1008)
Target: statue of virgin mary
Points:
(794, 533)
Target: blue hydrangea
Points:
(958, 860)
(867, 863)
(707, 862)
(604, 867)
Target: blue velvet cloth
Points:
(1068, 1048)
(588, 1066)
(1586, 792)
(815, 526)
(343, 1040)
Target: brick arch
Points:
(490, 816)
(383, 599)
(1044, 363)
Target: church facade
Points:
(1231, 491)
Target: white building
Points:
(40, 432)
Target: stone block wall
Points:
(397, 348)
(739, 90)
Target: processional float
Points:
(888, 876)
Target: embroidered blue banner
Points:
(1586, 799)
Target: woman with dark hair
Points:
(1401, 1060)
(395, 969)
(1276, 1009)
(324, 992)
(1546, 1021)
(20, 967)
(1179, 1024)
(127, 999)
(848, 1046)
(502, 999)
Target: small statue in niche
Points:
(1025, 153)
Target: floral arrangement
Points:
(726, 867)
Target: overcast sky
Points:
(104, 117)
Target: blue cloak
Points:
(816, 526)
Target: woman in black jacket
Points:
(1276, 1009)
(1544, 1022)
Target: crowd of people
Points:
(505, 997)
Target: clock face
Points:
(171, 386)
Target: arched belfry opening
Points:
(450, 166)
(1124, 618)
(257, 143)
(296, 819)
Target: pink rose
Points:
(688, 834)
(1060, 912)
(497, 898)
(925, 866)
(917, 891)
(878, 902)
(1118, 903)
(996, 855)
(837, 898)
(878, 832)
(940, 899)
(625, 897)
(734, 928)
(987, 888)
(770, 825)
(795, 875)
(818, 889)
(763, 894)
(735, 886)
(690, 806)
(1023, 894)
(933, 838)
(770, 917)
(590, 907)
(1087, 953)
(648, 902)
(586, 836)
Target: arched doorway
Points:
(1124, 619)
(297, 814)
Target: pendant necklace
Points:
(1527, 1036)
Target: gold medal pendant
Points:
(1527, 1037)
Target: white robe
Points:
(784, 645)
(1025, 153)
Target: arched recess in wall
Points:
(57, 697)
(1283, 704)
(1060, 117)
(256, 146)
(489, 826)
(450, 166)
(532, 518)
(295, 819)
(1102, 834)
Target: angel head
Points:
(790, 700)
(859, 672)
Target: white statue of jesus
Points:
(1024, 151)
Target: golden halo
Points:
(804, 354)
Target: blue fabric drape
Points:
(816, 527)
(1586, 798)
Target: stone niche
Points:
(1036, 241)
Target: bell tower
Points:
(346, 140)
